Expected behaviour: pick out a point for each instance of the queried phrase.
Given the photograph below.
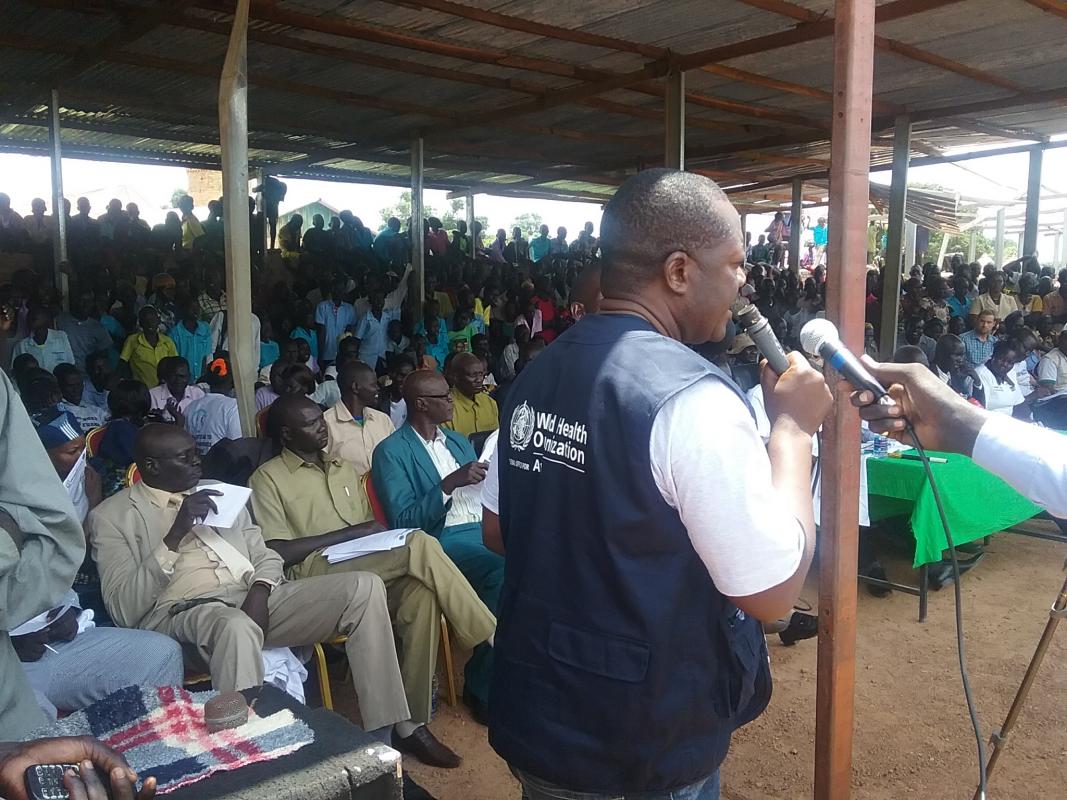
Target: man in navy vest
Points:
(646, 526)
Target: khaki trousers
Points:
(302, 612)
(422, 583)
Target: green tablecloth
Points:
(976, 501)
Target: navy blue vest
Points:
(619, 667)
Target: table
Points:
(343, 763)
(977, 502)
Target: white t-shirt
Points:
(211, 418)
(999, 397)
(398, 412)
(710, 464)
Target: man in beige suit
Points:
(222, 590)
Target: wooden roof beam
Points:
(797, 12)
(1057, 7)
(131, 28)
(510, 22)
(606, 81)
(804, 32)
(979, 126)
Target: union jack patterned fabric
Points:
(161, 732)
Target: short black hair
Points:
(39, 387)
(910, 354)
(653, 214)
(129, 399)
(63, 370)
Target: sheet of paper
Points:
(374, 543)
(229, 504)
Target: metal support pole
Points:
(59, 211)
(418, 240)
(909, 244)
(972, 246)
(233, 135)
(469, 202)
(898, 198)
(794, 224)
(998, 250)
(850, 156)
(674, 121)
(1063, 241)
(1033, 204)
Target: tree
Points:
(175, 196)
(530, 223)
(961, 243)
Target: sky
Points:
(994, 179)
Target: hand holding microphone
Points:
(793, 391)
(941, 419)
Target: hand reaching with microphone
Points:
(798, 397)
(942, 419)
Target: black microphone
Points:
(757, 327)
(820, 337)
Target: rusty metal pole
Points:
(849, 167)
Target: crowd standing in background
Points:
(367, 417)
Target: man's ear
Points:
(149, 466)
(676, 271)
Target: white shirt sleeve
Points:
(710, 464)
(1046, 371)
(1032, 459)
(491, 486)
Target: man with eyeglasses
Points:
(473, 410)
(429, 477)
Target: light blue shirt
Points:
(371, 332)
(539, 247)
(336, 320)
(194, 347)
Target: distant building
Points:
(309, 211)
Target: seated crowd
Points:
(367, 419)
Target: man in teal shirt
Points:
(540, 245)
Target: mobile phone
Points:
(45, 781)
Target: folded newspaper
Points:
(374, 543)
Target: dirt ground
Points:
(913, 738)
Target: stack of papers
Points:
(374, 543)
(230, 504)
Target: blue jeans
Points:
(537, 789)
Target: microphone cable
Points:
(961, 649)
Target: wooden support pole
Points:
(59, 211)
(998, 251)
(794, 224)
(972, 246)
(418, 240)
(233, 135)
(674, 121)
(850, 158)
(894, 266)
(1033, 204)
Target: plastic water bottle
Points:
(881, 447)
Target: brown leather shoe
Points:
(427, 748)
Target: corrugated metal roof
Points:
(345, 103)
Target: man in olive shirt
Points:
(305, 502)
(473, 410)
(355, 426)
